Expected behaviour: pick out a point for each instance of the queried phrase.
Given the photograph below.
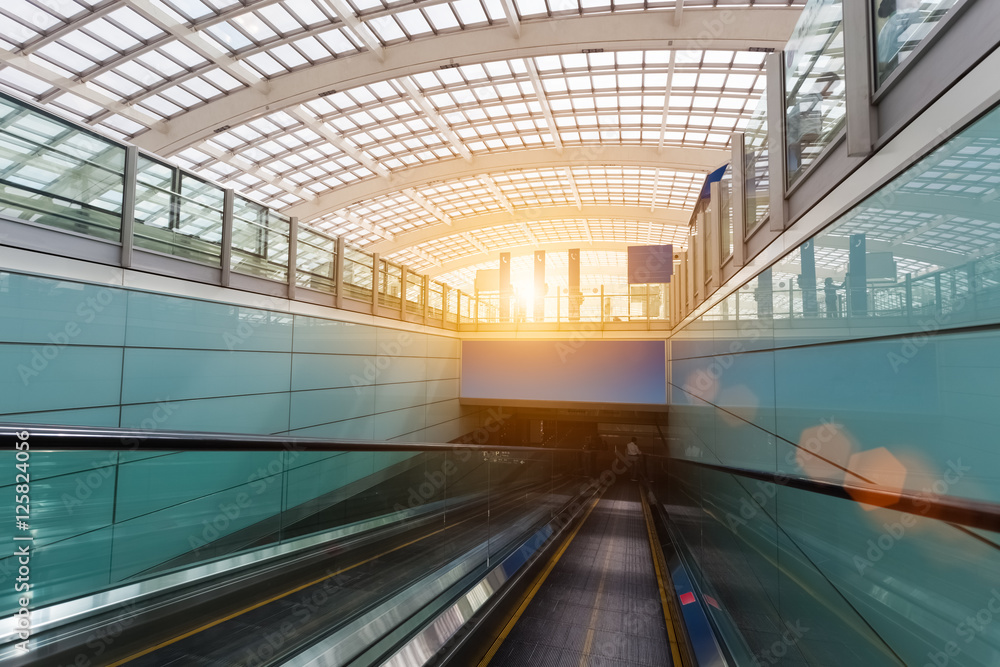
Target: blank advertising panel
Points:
(562, 372)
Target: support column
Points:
(739, 196)
(338, 271)
(293, 255)
(807, 278)
(539, 300)
(128, 204)
(228, 204)
(376, 278)
(714, 238)
(505, 287)
(777, 160)
(862, 120)
(573, 278)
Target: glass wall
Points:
(755, 170)
(900, 26)
(815, 100)
(56, 174)
(867, 358)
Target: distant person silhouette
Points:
(632, 450)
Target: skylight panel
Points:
(66, 58)
(180, 96)
(469, 11)
(222, 79)
(313, 49)
(254, 27)
(229, 36)
(337, 42)
(278, 18)
(123, 124)
(288, 56)
(183, 54)
(414, 22)
(441, 17)
(202, 88)
(266, 64)
(306, 11)
(160, 64)
(86, 44)
(386, 29)
(112, 34)
(84, 107)
(189, 9)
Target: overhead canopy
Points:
(375, 120)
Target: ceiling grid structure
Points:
(438, 133)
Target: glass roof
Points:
(132, 68)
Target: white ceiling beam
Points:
(568, 174)
(656, 187)
(590, 232)
(510, 11)
(481, 247)
(666, 100)
(434, 117)
(357, 27)
(746, 28)
(245, 165)
(491, 185)
(527, 232)
(337, 140)
(203, 46)
(678, 16)
(420, 201)
(672, 218)
(536, 83)
(356, 219)
(427, 257)
(29, 65)
(696, 160)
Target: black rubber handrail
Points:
(77, 438)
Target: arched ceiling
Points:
(437, 133)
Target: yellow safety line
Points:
(536, 585)
(659, 566)
(276, 597)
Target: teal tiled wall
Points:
(79, 354)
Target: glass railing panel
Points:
(390, 284)
(57, 175)
(451, 307)
(415, 294)
(435, 299)
(815, 102)
(178, 214)
(900, 26)
(755, 167)
(316, 259)
(260, 240)
(358, 274)
(914, 254)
